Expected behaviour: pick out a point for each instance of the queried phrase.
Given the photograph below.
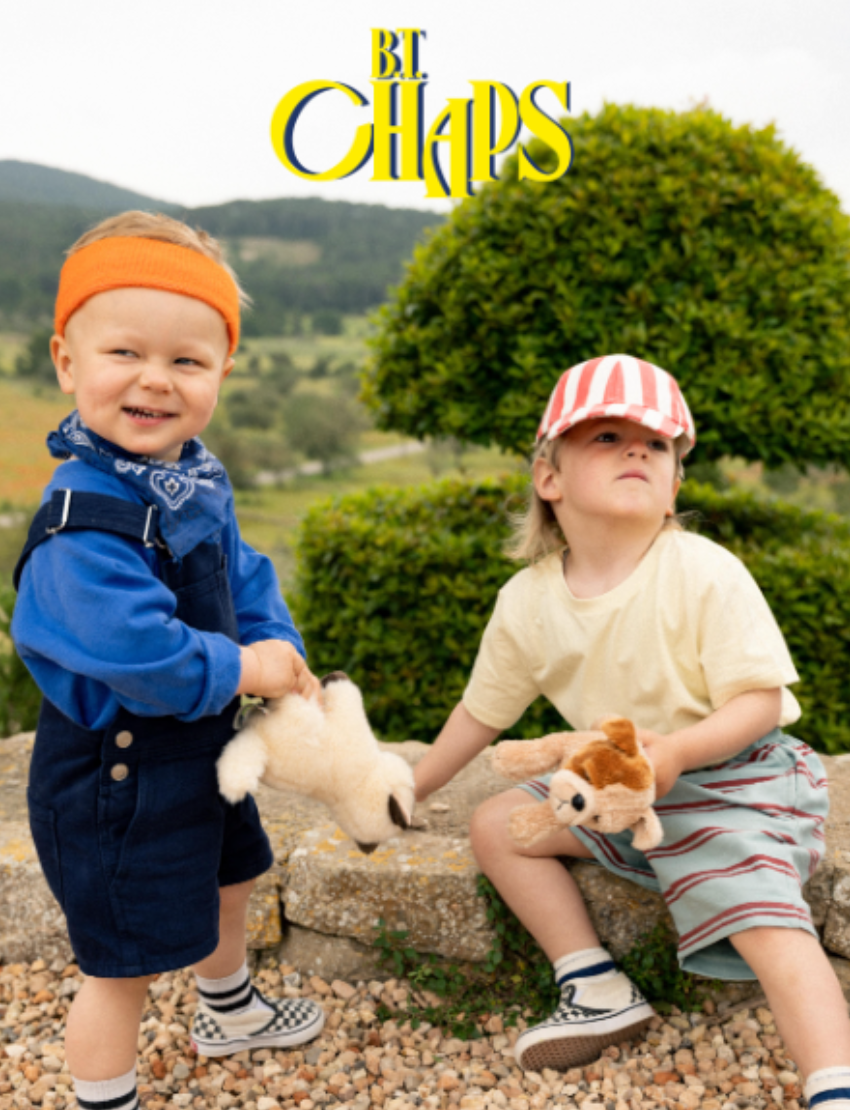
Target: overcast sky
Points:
(174, 98)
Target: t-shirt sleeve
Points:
(741, 646)
(502, 686)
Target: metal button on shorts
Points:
(124, 739)
(120, 771)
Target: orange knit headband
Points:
(128, 261)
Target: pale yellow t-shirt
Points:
(685, 632)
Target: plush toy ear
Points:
(621, 733)
(647, 831)
(398, 815)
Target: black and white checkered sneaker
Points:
(606, 1013)
(292, 1021)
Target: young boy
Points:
(636, 617)
(143, 616)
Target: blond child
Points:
(634, 616)
(143, 617)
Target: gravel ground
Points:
(708, 1061)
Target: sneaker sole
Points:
(558, 1051)
(260, 1040)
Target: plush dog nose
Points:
(366, 849)
(577, 802)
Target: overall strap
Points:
(70, 511)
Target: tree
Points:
(34, 362)
(252, 408)
(710, 249)
(324, 428)
(327, 321)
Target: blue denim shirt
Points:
(95, 624)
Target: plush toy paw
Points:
(242, 765)
(520, 759)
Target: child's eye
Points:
(186, 361)
(123, 352)
(659, 444)
(607, 437)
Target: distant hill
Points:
(294, 256)
(35, 184)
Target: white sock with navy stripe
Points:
(108, 1094)
(234, 994)
(591, 965)
(829, 1089)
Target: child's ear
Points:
(545, 478)
(227, 368)
(62, 361)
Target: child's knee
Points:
(488, 827)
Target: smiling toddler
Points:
(143, 617)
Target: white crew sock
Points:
(591, 965)
(116, 1094)
(829, 1089)
(234, 994)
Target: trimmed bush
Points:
(20, 698)
(710, 249)
(395, 587)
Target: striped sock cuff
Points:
(590, 963)
(108, 1094)
(828, 1087)
(226, 996)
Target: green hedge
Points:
(20, 698)
(395, 587)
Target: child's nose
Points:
(154, 376)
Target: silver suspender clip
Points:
(66, 506)
(150, 542)
(153, 540)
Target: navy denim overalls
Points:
(131, 831)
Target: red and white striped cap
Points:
(618, 385)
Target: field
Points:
(26, 417)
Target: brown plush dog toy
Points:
(604, 781)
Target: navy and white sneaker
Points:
(588, 1020)
(291, 1022)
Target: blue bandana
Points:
(193, 495)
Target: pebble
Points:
(686, 1062)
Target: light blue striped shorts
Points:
(740, 840)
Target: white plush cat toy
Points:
(327, 751)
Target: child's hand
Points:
(272, 668)
(665, 757)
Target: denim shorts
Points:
(135, 839)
